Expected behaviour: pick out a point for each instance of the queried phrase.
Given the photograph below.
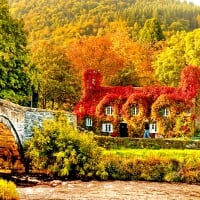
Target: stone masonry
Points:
(20, 120)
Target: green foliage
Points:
(14, 81)
(153, 165)
(53, 77)
(197, 133)
(67, 153)
(192, 47)
(151, 32)
(170, 61)
(140, 143)
(8, 190)
(182, 49)
(64, 152)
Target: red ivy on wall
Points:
(96, 97)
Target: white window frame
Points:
(88, 122)
(109, 110)
(134, 110)
(153, 127)
(166, 112)
(107, 128)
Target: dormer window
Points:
(88, 122)
(109, 110)
(134, 110)
(164, 112)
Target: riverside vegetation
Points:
(8, 190)
(66, 153)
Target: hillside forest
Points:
(45, 46)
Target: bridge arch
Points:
(11, 149)
(5, 120)
(16, 126)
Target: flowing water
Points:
(110, 190)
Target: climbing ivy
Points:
(151, 101)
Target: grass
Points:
(147, 153)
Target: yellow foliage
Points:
(8, 190)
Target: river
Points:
(110, 190)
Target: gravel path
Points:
(110, 190)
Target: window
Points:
(88, 122)
(153, 127)
(166, 112)
(107, 128)
(134, 110)
(109, 110)
(188, 112)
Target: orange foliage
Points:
(135, 55)
(95, 53)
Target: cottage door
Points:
(123, 130)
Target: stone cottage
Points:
(121, 110)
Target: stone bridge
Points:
(16, 123)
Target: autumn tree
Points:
(169, 63)
(54, 77)
(182, 49)
(14, 81)
(60, 21)
(118, 33)
(150, 38)
(95, 53)
(137, 69)
(151, 32)
(192, 48)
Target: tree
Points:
(128, 50)
(14, 81)
(61, 21)
(95, 53)
(53, 77)
(137, 58)
(182, 49)
(192, 48)
(180, 25)
(170, 61)
(151, 32)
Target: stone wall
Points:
(23, 119)
(35, 117)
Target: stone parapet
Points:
(22, 119)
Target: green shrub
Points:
(153, 165)
(140, 143)
(65, 152)
(8, 190)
